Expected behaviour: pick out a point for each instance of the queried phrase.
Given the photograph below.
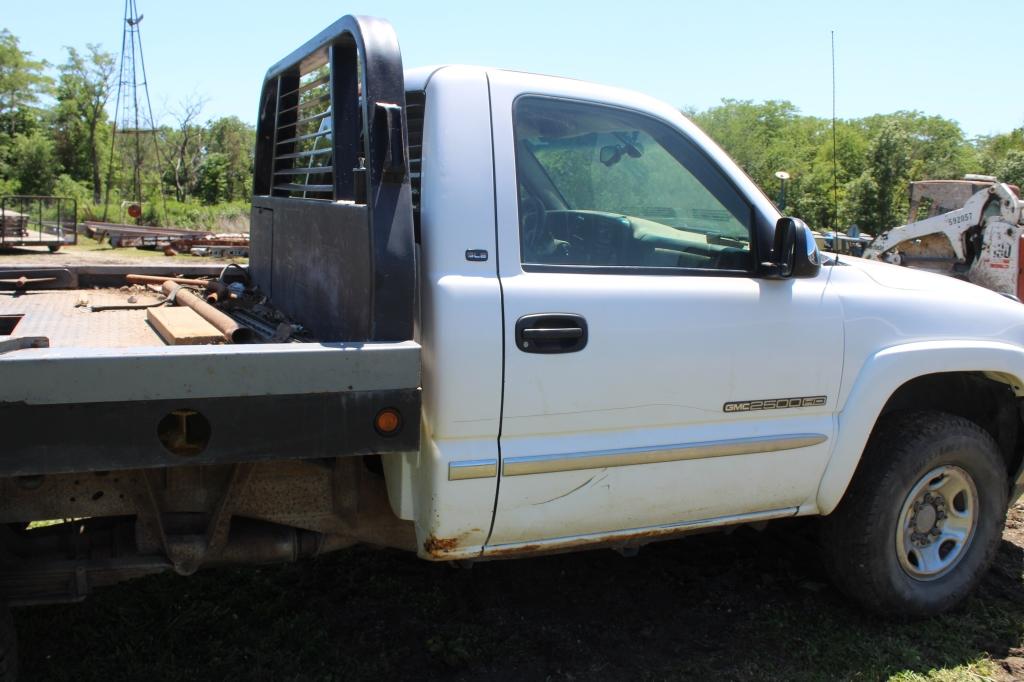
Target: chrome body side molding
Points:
(546, 464)
(472, 468)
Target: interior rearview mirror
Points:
(611, 154)
(794, 251)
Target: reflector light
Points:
(388, 421)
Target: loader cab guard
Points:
(332, 218)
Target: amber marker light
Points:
(388, 421)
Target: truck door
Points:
(652, 383)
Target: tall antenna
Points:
(835, 159)
(132, 119)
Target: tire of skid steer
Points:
(54, 248)
(8, 646)
(859, 538)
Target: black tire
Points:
(54, 248)
(859, 539)
(8, 646)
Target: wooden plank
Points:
(180, 326)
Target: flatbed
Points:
(65, 318)
(109, 372)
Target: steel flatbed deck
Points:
(66, 318)
(96, 398)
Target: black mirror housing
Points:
(794, 251)
(807, 261)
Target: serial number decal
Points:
(961, 218)
(774, 404)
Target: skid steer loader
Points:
(972, 230)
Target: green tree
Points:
(23, 81)
(83, 91)
(1011, 167)
(816, 187)
(184, 148)
(236, 140)
(937, 146)
(875, 157)
(763, 138)
(997, 155)
(877, 196)
(212, 181)
(35, 164)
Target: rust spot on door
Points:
(439, 546)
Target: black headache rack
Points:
(331, 245)
(332, 218)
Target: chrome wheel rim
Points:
(936, 523)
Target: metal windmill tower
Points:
(133, 112)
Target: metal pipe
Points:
(231, 330)
(215, 297)
(151, 279)
(218, 290)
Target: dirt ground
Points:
(744, 606)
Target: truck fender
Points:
(885, 372)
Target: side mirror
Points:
(794, 251)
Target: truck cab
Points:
(596, 325)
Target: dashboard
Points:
(597, 238)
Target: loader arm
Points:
(952, 225)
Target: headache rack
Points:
(332, 221)
(331, 246)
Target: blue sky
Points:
(930, 56)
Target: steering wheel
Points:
(538, 244)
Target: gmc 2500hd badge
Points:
(774, 404)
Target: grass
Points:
(89, 251)
(743, 606)
(89, 246)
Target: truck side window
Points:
(602, 186)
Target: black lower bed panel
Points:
(45, 439)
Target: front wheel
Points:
(922, 519)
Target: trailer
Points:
(29, 220)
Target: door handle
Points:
(551, 333)
(534, 334)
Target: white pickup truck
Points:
(543, 315)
